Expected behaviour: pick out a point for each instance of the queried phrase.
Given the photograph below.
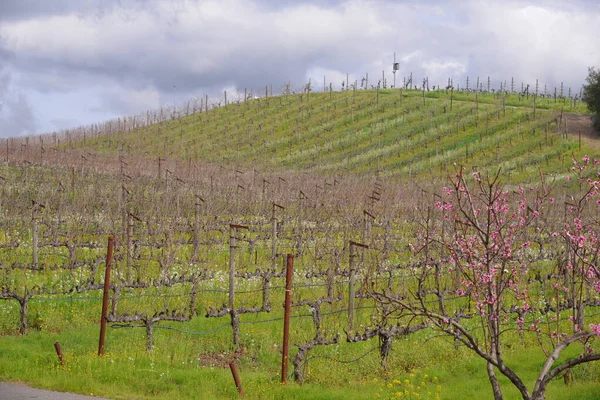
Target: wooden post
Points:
(234, 316)
(130, 218)
(286, 321)
(34, 231)
(351, 289)
(59, 212)
(300, 227)
(73, 183)
(109, 253)
(274, 231)
(367, 217)
(197, 224)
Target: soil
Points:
(582, 123)
(219, 360)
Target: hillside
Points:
(403, 133)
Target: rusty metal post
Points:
(236, 378)
(286, 320)
(109, 253)
(59, 353)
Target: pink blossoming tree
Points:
(476, 247)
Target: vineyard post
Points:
(300, 229)
(351, 289)
(286, 321)
(123, 207)
(129, 245)
(3, 180)
(234, 316)
(58, 211)
(73, 184)
(197, 224)
(264, 188)
(34, 231)
(59, 353)
(109, 253)
(236, 378)
(367, 217)
(274, 231)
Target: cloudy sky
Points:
(66, 63)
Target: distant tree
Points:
(591, 94)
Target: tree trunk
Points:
(149, 336)
(540, 394)
(494, 382)
(24, 323)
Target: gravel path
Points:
(19, 391)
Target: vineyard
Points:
(401, 133)
(216, 214)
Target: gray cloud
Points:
(16, 115)
(124, 56)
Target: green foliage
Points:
(591, 93)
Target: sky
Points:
(70, 63)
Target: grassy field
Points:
(186, 366)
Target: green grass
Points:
(126, 371)
(406, 136)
